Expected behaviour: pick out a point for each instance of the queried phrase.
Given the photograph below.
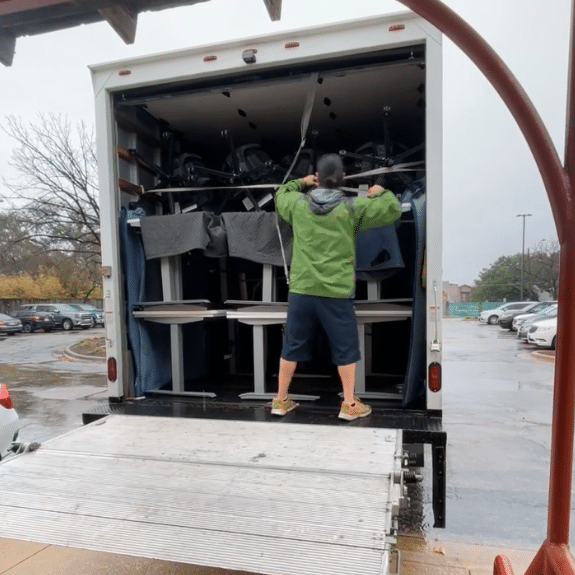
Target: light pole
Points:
(522, 251)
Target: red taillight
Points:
(112, 369)
(396, 27)
(5, 399)
(434, 379)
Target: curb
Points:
(541, 355)
(74, 355)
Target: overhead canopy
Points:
(29, 17)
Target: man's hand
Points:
(310, 180)
(374, 191)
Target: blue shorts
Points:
(336, 316)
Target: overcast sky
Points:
(489, 173)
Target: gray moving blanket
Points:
(175, 234)
(249, 235)
(254, 236)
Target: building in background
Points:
(454, 293)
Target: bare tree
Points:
(18, 252)
(54, 196)
(543, 267)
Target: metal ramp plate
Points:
(262, 497)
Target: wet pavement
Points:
(50, 390)
(46, 351)
(497, 413)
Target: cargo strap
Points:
(407, 167)
(303, 130)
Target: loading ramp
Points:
(252, 496)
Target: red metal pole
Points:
(563, 402)
(554, 556)
(564, 397)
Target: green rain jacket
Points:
(325, 223)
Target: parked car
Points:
(9, 423)
(492, 316)
(9, 325)
(543, 333)
(32, 319)
(64, 315)
(522, 323)
(506, 320)
(97, 314)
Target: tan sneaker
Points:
(283, 406)
(351, 412)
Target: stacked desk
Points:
(175, 314)
(274, 313)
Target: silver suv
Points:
(65, 316)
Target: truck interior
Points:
(203, 158)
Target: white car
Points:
(9, 423)
(543, 333)
(522, 323)
(491, 316)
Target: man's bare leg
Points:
(287, 369)
(347, 376)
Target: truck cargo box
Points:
(192, 145)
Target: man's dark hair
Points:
(330, 171)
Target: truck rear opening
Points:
(199, 142)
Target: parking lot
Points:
(46, 350)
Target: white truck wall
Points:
(434, 228)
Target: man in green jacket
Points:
(322, 274)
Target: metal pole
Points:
(522, 252)
(560, 480)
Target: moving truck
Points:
(185, 461)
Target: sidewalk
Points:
(450, 558)
(417, 558)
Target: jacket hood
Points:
(323, 200)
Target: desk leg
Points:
(259, 391)
(360, 365)
(177, 348)
(373, 293)
(259, 359)
(171, 269)
(268, 283)
(260, 371)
